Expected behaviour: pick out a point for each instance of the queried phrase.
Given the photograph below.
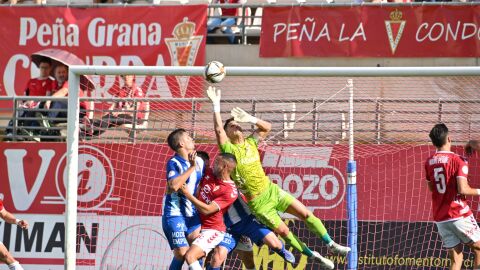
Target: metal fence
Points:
(377, 120)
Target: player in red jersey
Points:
(446, 174)
(5, 256)
(216, 193)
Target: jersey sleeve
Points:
(173, 171)
(462, 168)
(227, 147)
(200, 165)
(227, 197)
(1, 205)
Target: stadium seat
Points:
(255, 28)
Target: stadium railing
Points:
(320, 127)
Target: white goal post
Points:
(348, 72)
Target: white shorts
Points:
(208, 239)
(464, 230)
(244, 244)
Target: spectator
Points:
(125, 112)
(58, 109)
(225, 24)
(37, 87)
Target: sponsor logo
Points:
(96, 180)
(305, 173)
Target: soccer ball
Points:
(214, 72)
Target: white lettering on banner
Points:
(22, 199)
(10, 72)
(157, 87)
(100, 33)
(439, 30)
(308, 31)
(57, 34)
(323, 184)
(96, 179)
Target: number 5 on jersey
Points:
(439, 180)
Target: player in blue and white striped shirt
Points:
(180, 220)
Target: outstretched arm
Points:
(10, 218)
(263, 127)
(205, 209)
(214, 95)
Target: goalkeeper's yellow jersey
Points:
(249, 175)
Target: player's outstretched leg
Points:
(266, 210)
(316, 226)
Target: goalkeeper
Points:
(264, 197)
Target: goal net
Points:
(122, 175)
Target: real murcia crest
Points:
(395, 27)
(183, 49)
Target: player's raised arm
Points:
(263, 127)
(214, 95)
(203, 208)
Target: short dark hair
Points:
(174, 138)
(439, 134)
(204, 155)
(226, 122)
(229, 157)
(45, 60)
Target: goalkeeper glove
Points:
(242, 116)
(214, 96)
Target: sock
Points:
(15, 266)
(280, 251)
(293, 241)
(176, 264)
(212, 268)
(315, 225)
(195, 266)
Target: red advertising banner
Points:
(121, 188)
(129, 179)
(111, 36)
(371, 31)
